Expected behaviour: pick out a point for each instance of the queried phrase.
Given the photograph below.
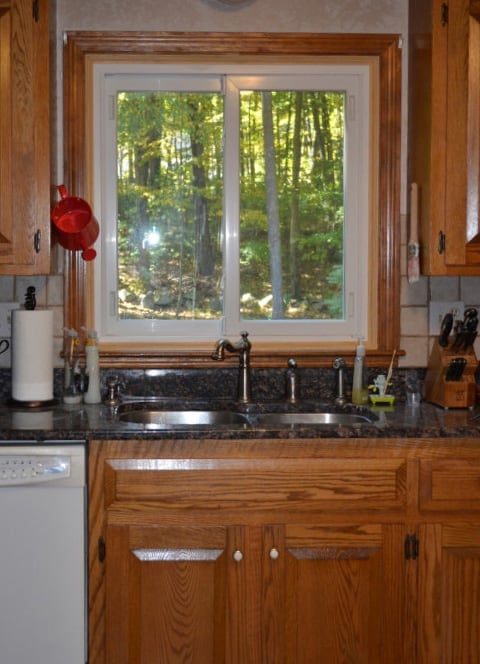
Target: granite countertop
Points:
(62, 422)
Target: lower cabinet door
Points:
(177, 594)
(449, 593)
(279, 594)
(342, 598)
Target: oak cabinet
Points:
(239, 594)
(284, 552)
(24, 137)
(449, 593)
(444, 100)
(449, 564)
(245, 559)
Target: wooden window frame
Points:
(80, 46)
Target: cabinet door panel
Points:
(247, 485)
(345, 595)
(166, 590)
(451, 485)
(449, 594)
(463, 146)
(24, 138)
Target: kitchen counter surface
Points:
(83, 422)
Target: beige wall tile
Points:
(416, 351)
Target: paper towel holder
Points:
(30, 306)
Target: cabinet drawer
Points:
(245, 485)
(449, 484)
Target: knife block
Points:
(450, 393)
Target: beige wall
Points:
(387, 16)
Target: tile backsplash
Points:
(48, 293)
(415, 299)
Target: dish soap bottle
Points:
(359, 386)
(92, 368)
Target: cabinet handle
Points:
(101, 549)
(36, 241)
(441, 242)
(237, 556)
(274, 554)
(444, 14)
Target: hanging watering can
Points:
(75, 225)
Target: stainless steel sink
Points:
(332, 419)
(152, 419)
(155, 417)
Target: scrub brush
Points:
(413, 250)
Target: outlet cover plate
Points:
(6, 318)
(437, 311)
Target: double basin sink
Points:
(156, 416)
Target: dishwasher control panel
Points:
(32, 469)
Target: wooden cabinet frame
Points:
(82, 45)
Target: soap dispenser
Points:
(92, 368)
(360, 384)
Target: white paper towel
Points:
(32, 355)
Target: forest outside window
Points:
(233, 200)
(170, 315)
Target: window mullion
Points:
(231, 307)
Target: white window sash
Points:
(353, 79)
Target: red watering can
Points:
(76, 227)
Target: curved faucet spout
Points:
(243, 348)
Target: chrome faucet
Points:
(340, 365)
(242, 347)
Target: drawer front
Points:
(449, 485)
(245, 485)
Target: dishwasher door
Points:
(42, 555)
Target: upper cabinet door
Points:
(24, 137)
(444, 143)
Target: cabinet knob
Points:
(237, 556)
(274, 554)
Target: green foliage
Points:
(170, 182)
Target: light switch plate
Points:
(6, 318)
(437, 311)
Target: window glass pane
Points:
(169, 205)
(292, 205)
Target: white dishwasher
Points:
(42, 553)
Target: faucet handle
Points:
(246, 341)
(339, 365)
(292, 381)
(113, 390)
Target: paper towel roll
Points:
(32, 355)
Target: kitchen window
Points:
(232, 198)
(178, 310)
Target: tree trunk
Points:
(294, 209)
(274, 239)
(204, 252)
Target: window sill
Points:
(188, 357)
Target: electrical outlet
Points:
(437, 311)
(6, 318)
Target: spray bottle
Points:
(360, 384)
(92, 368)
